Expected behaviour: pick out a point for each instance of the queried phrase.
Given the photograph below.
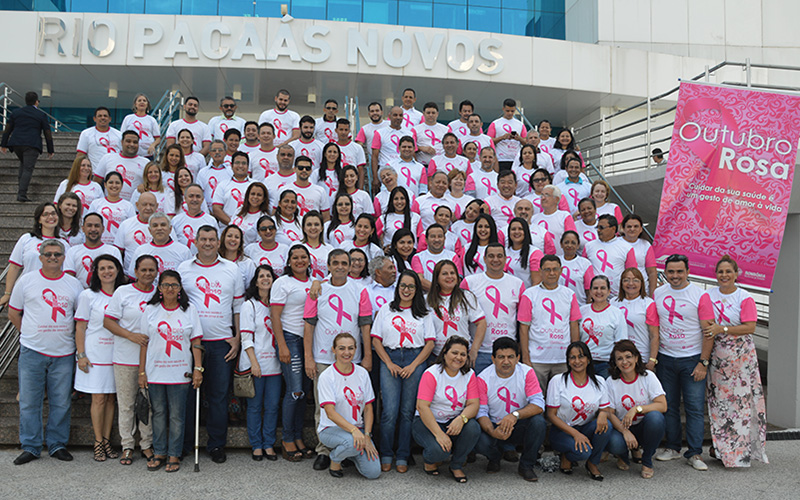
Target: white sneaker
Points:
(697, 463)
(667, 454)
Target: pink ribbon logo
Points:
(264, 163)
(223, 127)
(139, 237)
(573, 193)
(452, 395)
(51, 299)
(350, 396)
(171, 183)
(279, 128)
(448, 167)
(580, 409)
(301, 204)
(549, 306)
(124, 173)
(488, 185)
(204, 286)
(265, 260)
(505, 396)
(407, 120)
(304, 152)
(238, 196)
(399, 324)
(338, 306)
(602, 256)
(188, 232)
(462, 130)
(625, 313)
(212, 183)
(172, 341)
(671, 309)
(720, 307)
(467, 235)
(396, 141)
(628, 402)
(496, 300)
(588, 327)
(329, 134)
(108, 215)
(379, 301)
(507, 128)
(430, 265)
(316, 271)
(589, 235)
(107, 144)
(566, 273)
(82, 196)
(293, 236)
(339, 235)
(447, 320)
(86, 261)
(507, 212)
(139, 128)
(398, 224)
(432, 136)
(407, 174)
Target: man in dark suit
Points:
(23, 136)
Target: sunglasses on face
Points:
(303, 167)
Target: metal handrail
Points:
(6, 98)
(9, 339)
(163, 111)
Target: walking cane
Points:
(202, 349)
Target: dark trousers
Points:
(27, 161)
(505, 165)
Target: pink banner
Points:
(729, 179)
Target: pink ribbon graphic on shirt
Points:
(566, 273)
(507, 212)
(399, 324)
(447, 320)
(580, 409)
(82, 196)
(628, 402)
(166, 333)
(329, 134)
(264, 163)
(549, 306)
(537, 202)
(671, 308)
(350, 396)
(204, 286)
(407, 119)
(108, 215)
(293, 236)
(212, 183)
(625, 313)
(238, 196)
(139, 237)
(188, 231)
(432, 136)
(304, 152)
(139, 128)
(160, 263)
(379, 301)
(407, 174)
(488, 185)
(603, 257)
(526, 178)
(302, 204)
(588, 327)
(452, 395)
(720, 307)
(396, 141)
(124, 173)
(331, 187)
(448, 167)
(589, 236)
(339, 235)
(142, 305)
(107, 144)
(344, 159)
(223, 127)
(477, 261)
(50, 298)
(316, 271)
(338, 306)
(398, 224)
(573, 193)
(462, 130)
(496, 300)
(171, 183)
(278, 128)
(507, 128)
(430, 265)
(86, 261)
(505, 396)
(265, 260)
(467, 235)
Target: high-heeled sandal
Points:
(109, 451)
(99, 453)
(596, 477)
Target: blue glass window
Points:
(162, 6)
(237, 8)
(518, 22)
(549, 6)
(307, 9)
(449, 16)
(483, 19)
(345, 10)
(550, 25)
(411, 13)
(89, 6)
(269, 8)
(199, 7)
(483, 3)
(126, 6)
(380, 11)
(520, 4)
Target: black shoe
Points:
(596, 477)
(271, 457)
(23, 198)
(335, 473)
(510, 456)
(218, 455)
(527, 474)
(258, 458)
(24, 458)
(492, 467)
(322, 462)
(62, 455)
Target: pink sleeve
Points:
(427, 387)
(457, 213)
(414, 136)
(491, 132)
(651, 315)
(469, 169)
(364, 307)
(562, 204)
(524, 132)
(377, 207)
(524, 309)
(630, 261)
(569, 225)
(379, 226)
(705, 311)
(650, 258)
(361, 137)
(421, 244)
(588, 276)
(483, 392)
(535, 260)
(618, 215)
(423, 178)
(415, 207)
(431, 167)
(376, 140)
(416, 264)
(420, 233)
(748, 312)
(575, 310)
(501, 238)
(522, 289)
(310, 308)
(549, 243)
(470, 184)
(459, 264)
(472, 387)
(464, 285)
(532, 384)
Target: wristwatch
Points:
(80, 355)
(464, 418)
(705, 362)
(654, 361)
(639, 409)
(725, 329)
(200, 369)
(515, 413)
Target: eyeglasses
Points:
(303, 167)
(228, 106)
(539, 179)
(333, 108)
(600, 228)
(53, 254)
(170, 286)
(406, 286)
(266, 228)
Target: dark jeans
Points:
(27, 161)
(432, 451)
(167, 402)
(676, 378)
(505, 165)
(399, 399)
(297, 386)
(564, 443)
(529, 432)
(601, 369)
(262, 412)
(216, 382)
(648, 433)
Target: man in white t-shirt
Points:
(215, 287)
(546, 140)
(168, 253)
(186, 223)
(352, 152)
(385, 143)
(42, 308)
(574, 187)
(285, 121)
(367, 131)
(218, 173)
(250, 135)
(325, 125)
(425, 206)
(411, 115)
(428, 135)
(283, 177)
(425, 261)
(683, 359)
(134, 232)
(339, 308)
(229, 198)
(459, 127)
(501, 204)
(309, 196)
(227, 120)
(476, 135)
(306, 145)
(511, 409)
(609, 254)
(449, 160)
(127, 162)
(508, 134)
(264, 159)
(200, 131)
(100, 140)
(79, 259)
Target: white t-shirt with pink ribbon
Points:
(288, 232)
(169, 349)
(169, 256)
(330, 184)
(729, 309)
(499, 299)
(626, 395)
(574, 192)
(389, 224)
(291, 293)
(348, 392)
(275, 257)
(458, 323)
(311, 197)
(340, 234)
(501, 209)
(147, 128)
(396, 329)
(318, 259)
(216, 290)
(501, 396)
(98, 342)
(114, 213)
(549, 314)
(312, 149)
(639, 313)
(424, 262)
(199, 130)
(132, 234)
(285, 122)
(263, 163)
(507, 149)
(610, 258)
(387, 141)
(556, 224)
(514, 264)
(601, 329)
(25, 253)
(95, 144)
(219, 124)
(256, 331)
(79, 259)
(430, 136)
(131, 168)
(586, 233)
(442, 163)
(275, 184)
(577, 404)
(426, 206)
(367, 133)
(126, 307)
(447, 395)
(480, 140)
(211, 178)
(352, 154)
(412, 175)
(86, 192)
(577, 274)
(481, 184)
(339, 309)
(679, 312)
(231, 195)
(185, 227)
(377, 295)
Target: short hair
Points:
(375, 103)
(544, 121)
(307, 119)
(496, 244)
(239, 154)
(335, 252)
(218, 141)
(603, 183)
(333, 101)
(434, 226)
(31, 98)
(227, 98)
(405, 138)
(449, 134)
(430, 104)
(570, 232)
(587, 200)
(677, 257)
(250, 122)
(612, 221)
(475, 114)
(409, 89)
(506, 173)
(230, 132)
(377, 263)
(284, 92)
(556, 191)
(625, 346)
(465, 102)
(192, 98)
(386, 167)
(505, 343)
(342, 121)
(549, 258)
(636, 274)
(207, 228)
(302, 158)
(51, 243)
(130, 132)
(94, 214)
(657, 152)
(157, 215)
(509, 103)
(266, 124)
(101, 108)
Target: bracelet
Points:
(654, 360)
(141, 373)
(7, 293)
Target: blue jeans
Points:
(676, 378)
(483, 360)
(564, 443)
(297, 386)
(168, 403)
(261, 429)
(529, 432)
(648, 433)
(399, 399)
(601, 369)
(216, 383)
(341, 444)
(36, 373)
(463, 443)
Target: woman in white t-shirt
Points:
(145, 125)
(447, 404)
(169, 362)
(601, 325)
(318, 250)
(260, 357)
(641, 316)
(365, 237)
(79, 181)
(341, 226)
(362, 201)
(359, 267)
(254, 206)
(152, 182)
(112, 207)
(639, 403)
(232, 248)
(398, 216)
(71, 210)
(600, 191)
(576, 271)
(633, 234)
(457, 183)
(268, 251)
(95, 347)
(345, 425)
(522, 258)
(465, 224)
(484, 232)
(577, 403)
(287, 219)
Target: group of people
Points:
(485, 289)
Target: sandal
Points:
(565, 470)
(307, 453)
(173, 466)
(109, 451)
(459, 479)
(99, 453)
(270, 456)
(622, 465)
(127, 457)
(145, 455)
(647, 473)
(155, 463)
(431, 472)
(291, 455)
(636, 456)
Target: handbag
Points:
(141, 407)
(243, 385)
